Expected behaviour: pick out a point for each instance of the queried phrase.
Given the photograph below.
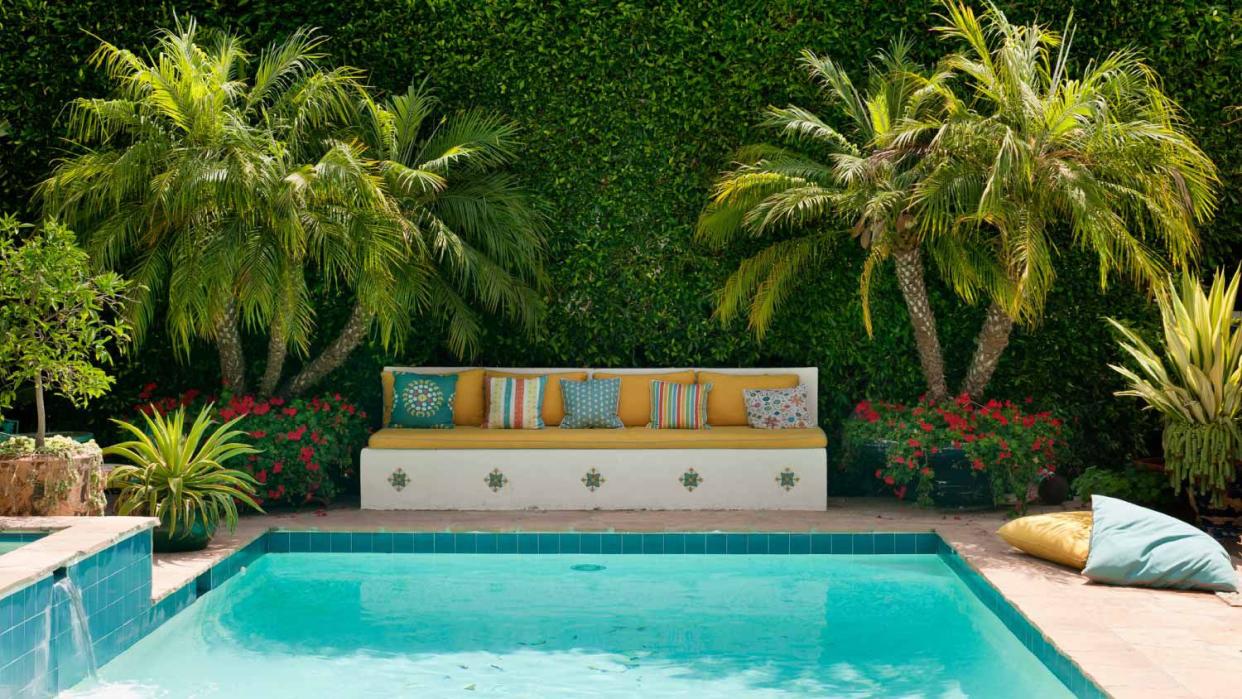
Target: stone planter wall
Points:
(47, 485)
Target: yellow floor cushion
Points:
(467, 402)
(1060, 537)
(725, 403)
(635, 407)
(553, 403)
(624, 438)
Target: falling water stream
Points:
(75, 657)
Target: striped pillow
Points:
(679, 406)
(515, 404)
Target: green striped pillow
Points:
(679, 406)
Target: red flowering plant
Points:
(1015, 446)
(308, 446)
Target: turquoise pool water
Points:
(363, 625)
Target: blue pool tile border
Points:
(749, 543)
(1057, 662)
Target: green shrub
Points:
(1139, 486)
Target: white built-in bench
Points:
(635, 467)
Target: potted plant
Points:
(179, 476)
(58, 320)
(1195, 382)
(960, 454)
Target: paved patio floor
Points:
(1132, 642)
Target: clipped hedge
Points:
(628, 112)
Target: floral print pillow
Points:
(777, 408)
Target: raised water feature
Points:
(72, 650)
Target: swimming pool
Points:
(365, 624)
(11, 541)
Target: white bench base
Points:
(591, 479)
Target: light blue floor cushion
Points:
(1132, 545)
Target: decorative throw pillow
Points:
(679, 406)
(777, 408)
(423, 400)
(591, 403)
(1132, 545)
(1060, 537)
(515, 404)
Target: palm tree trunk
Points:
(277, 350)
(990, 344)
(909, 264)
(229, 346)
(335, 354)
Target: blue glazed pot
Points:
(195, 538)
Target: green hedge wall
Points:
(628, 111)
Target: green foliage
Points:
(1139, 486)
(628, 113)
(1194, 381)
(179, 476)
(56, 317)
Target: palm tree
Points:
(473, 239)
(1034, 151)
(225, 191)
(862, 174)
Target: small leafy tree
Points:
(57, 318)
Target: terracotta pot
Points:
(195, 539)
(51, 486)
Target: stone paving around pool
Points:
(1131, 642)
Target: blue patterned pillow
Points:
(423, 400)
(591, 403)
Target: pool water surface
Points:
(362, 625)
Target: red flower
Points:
(261, 476)
(295, 435)
(977, 465)
(306, 454)
(277, 401)
(290, 411)
(914, 442)
(258, 434)
(888, 480)
(312, 467)
(900, 493)
(926, 471)
(927, 426)
(879, 473)
(278, 466)
(228, 414)
(262, 409)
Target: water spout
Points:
(77, 646)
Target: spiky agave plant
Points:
(178, 475)
(1195, 383)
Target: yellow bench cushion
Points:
(1060, 537)
(635, 406)
(553, 402)
(625, 438)
(467, 401)
(726, 405)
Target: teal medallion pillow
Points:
(1132, 545)
(423, 400)
(591, 404)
